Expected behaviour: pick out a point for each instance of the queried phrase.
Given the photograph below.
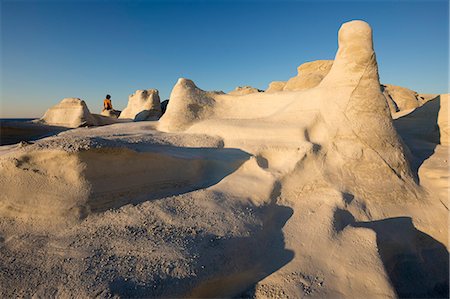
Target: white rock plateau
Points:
(288, 193)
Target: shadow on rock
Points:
(420, 131)
(158, 172)
(416, 263)
(225, 266)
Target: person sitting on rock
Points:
(107, 105)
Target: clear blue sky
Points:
(56, 49)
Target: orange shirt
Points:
(107, 104)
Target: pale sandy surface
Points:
(312, 193)
(292, 238)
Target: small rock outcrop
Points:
(111, 113)
(402, 98)
(71, 113)
(309, 75)
(143, 105)
(188, 103)
(243, 90)
(276, 86)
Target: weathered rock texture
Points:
(443, 123)
(309, 75)
(400, 98)
(110, 113)
(188, 103)
(346, 116)
(70, 112)
(276, 86)
(316, 182)
(242, 90)
(359, 124)
(143, 105)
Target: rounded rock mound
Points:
(70, 112)
(143, 105)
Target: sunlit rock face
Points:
(242, 90)
(309, 75)
(110, 113)
(443, 123)
(400, 98)
(276, 86)
(143, 105)
(70, 112)
(187, 104)
(300, 176)
(345, 117)
(358, 119)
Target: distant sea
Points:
(16, 119)
(14, 130)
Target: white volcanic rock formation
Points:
(401, 98)
(187, 103)
(346, 116)
(142, 105)
(242, 90)
(70, 112)
(309, 75)
(316, 182)
(444, 126)
(110, 113)
(358, 118)
(276, 86)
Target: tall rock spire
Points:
(358, 119)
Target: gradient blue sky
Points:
(56, 49)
